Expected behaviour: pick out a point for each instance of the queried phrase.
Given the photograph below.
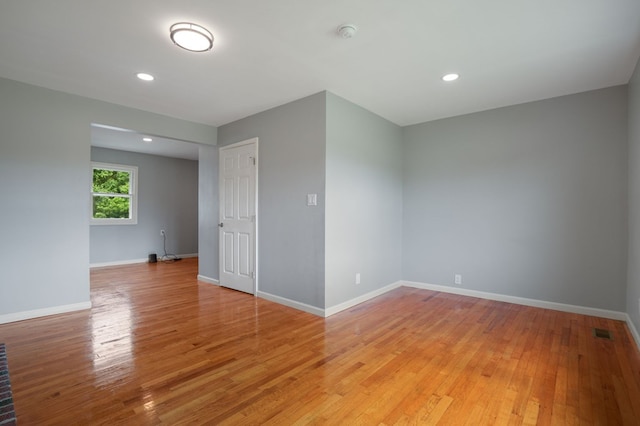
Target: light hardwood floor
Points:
(158, 347)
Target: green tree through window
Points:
(112, 193)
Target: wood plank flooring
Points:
(158, 347)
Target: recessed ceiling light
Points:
(147, 139)
(191, 37)
(450, 77)
(144, 76)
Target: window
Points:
(114, 194)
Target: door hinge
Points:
(253, 275)
(254, 160)
(253, 218)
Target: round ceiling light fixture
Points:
(192, 37)
(347, 30)
(450, 77)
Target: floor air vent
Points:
(602, 333)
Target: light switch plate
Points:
(312, 199)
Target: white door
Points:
(238, 183)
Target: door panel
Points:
(244, 196)
(228, 212)
(228, 248)
(238, 216)
(244, 248)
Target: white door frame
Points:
(252, 141)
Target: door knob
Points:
(221, 224)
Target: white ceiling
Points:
(269, 52)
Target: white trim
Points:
(292, 303)
(54, 310)
(332, 310)
(360, 299)
(256, 224)
(118, 263)
(596, 312)
(134, 261)
(132, 195)
(255, 141)
(634, 331)
(208, 280)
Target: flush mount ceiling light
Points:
(144, 76)
(147, 139)
(192, 37)
(450, 77)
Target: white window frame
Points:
(133, 195)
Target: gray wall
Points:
(528, 200)
(167, 199)
(44, 170)
(208, 212)
(291, 164)
(363, 201)
(633, 274)
(45, 166)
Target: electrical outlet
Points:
(358, 278)
(162, 232)
(457, 279)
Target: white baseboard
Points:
(134, 261)
(360, 299)
(328, 311)
(118, 263)
(292, 303)
(634, 331)
(208, 280)
(596, 312)
(54, 310)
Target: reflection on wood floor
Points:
(159, 347)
